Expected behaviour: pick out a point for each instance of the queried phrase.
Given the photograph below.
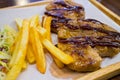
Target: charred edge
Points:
(59, 12)
(92, 41)
(56, 15)
(57, 20)
(88, 27)
(62, 3)
(74, 8)
(92, 20)
(111, 33)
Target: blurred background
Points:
(113, 5)
(7, 3)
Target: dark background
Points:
(7, 3)
(113, 5)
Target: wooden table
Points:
(113, 5)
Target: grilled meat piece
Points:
(64, 10)
(85, 40)
(104, 39)
(86, 58)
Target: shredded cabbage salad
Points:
(7, 36)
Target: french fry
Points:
(38, 49)
(21, 52)
(46, 25)
(14, 71)
(19, 22)
(30, 56)
(12, 48)
(15, 48)
(34, 21)
(24, 65)
(43, 32)
(19, 25)
(60, 55)
(58, 62)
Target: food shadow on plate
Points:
(64, 72)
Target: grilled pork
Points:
(64, 10)
(86, 40)
(86, 58)
(98, 35)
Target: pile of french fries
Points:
(29, 47)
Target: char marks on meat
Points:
(86, 40)
(91, 32)
(63, 9)
(92, 41)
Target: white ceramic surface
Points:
(7, 16)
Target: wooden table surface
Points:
(113, 5)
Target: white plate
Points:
(7, 16)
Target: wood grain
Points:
(104, 73)
(113, 5)
(108, 12)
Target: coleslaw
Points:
(7, 36)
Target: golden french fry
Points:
(19, 25)
(43, 32)
(24, 65)
(24, 37)
(14, 49)
(19, 22)
(38, 49)
(34, 21)
(30, 56)
(46, 25)
(21, 52)
(60, 55)
(58, 62)
(14, 71)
